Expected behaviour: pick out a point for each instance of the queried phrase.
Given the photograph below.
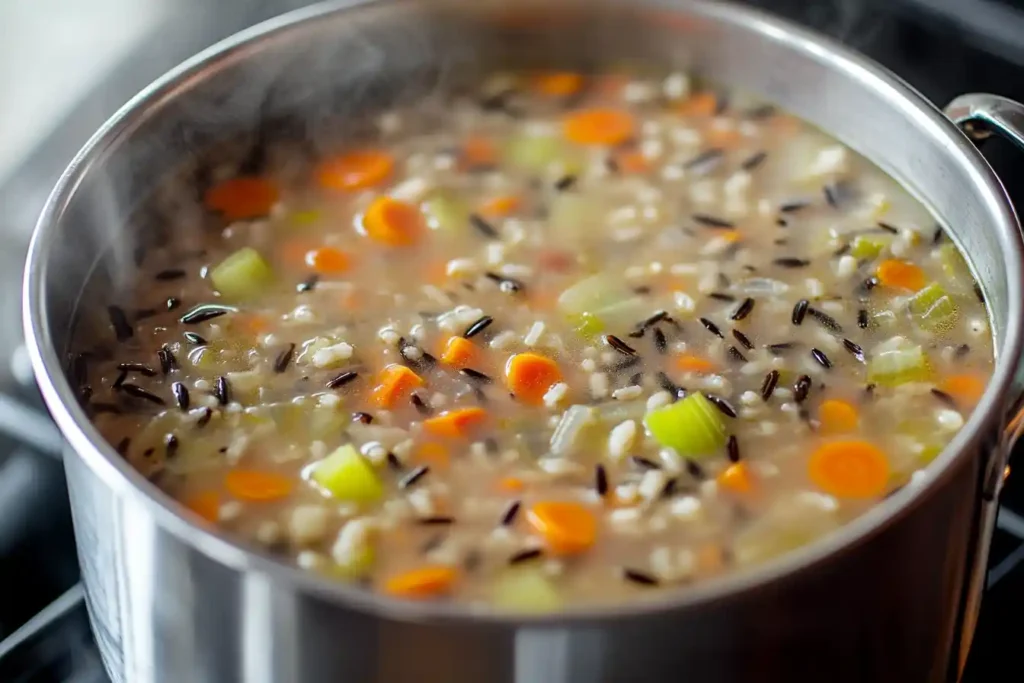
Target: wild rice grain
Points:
(413, 476)
(888, 228)
(140, 368)
(420, 405)
(712, 221)
(363, 418)
(342, 379)
(619, 345)
(167, 360)
(600, 480)
(135, 391)
(170, 446)
(827, 321)
(723, 406)
(119, 321)
(506, 284)
(284, 359)
(781, 348)
(644, 463)
(800, 311)
(819, 356)
(705, 162)
(712, 328)
(475, 375)
(170, 274)
(793, 207)
(437, 520)
(638, 577)
(743, 340)
(694, 469)
(195, 339)
(722, 296)
(308, 285)
(222, 391)
(771, 380)
(801, 388)
(478, 327)
(732, 447)
(483, 227)
(511, 512)
(172, 303)
(122, 446)
(660, 343)
(181, 396)
(565, 182)
(121, 378)
(855, 350)
(862, 319)
(753, 161)
(791, 262)
(205, 418)
(734, 355)
(944, 398)
(525, 556)
(204, 312)
(393, 462)
(743, 310)
(668, 385)
(978, 293)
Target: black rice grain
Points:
(827, 321)
(743, 340)
(204, 312)
(638, 577)
(601, 480)
(619, 345)
(511, 512)
(732, 447)
(167, 360)
(393, 462)
(172, 303)
(508, 285)
(705, 162)
(888, 228)
(978, 293)
(644, 463)
(342, 379)
(171, 445)
(694, 469)
(308, 285)
(483, 227)
(478, 327)
(122, 446)
(780, 348)
(475, 375)
(855, 350)
(140, 368)
(722, 296)
(525, 556)
(801, 388)
(436, 521)
(222, 391)
(135, 391)
(420, 405)
(821, 359)
(660, 343)
(793, 207)
(743, 310)
(122, 376)
(413, 476)
(181, 396)
(862, 319)
(170, 274)
(800, 311)
(565, 182)
(791, 262)
(723, 405)
(753, 161)
(712, 328)
(284, 359)
(363, 418)
(944, 398)
(709, 221)
(195, 339)
(119, 321)
(735, 355)
(205, 418)
(668, 385)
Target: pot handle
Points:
(979, 116)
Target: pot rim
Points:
(101, 458)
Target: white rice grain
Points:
(621, 439)
(555, 395)
(307, 524)
(627, 393)
(599, 385)
(533, 335)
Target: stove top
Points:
(942, 47)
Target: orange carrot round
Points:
(424, 582)
(837, 417)
(256, 486)
(700, 104)
(557, 83)
(242, 198)
(632, 161)
(849, 469)
(501, 206)
(460, 352)
(356, 170)
(965, 388)
(393, 222)
(599, 127)
(567, 528)
(690, 363)
(395, 382)
(456, 423)
(433, 454)
(478, 151)
(511, 485)
(900, 275)
(530, 375)
(327, 260)
(736, 478)
(206, 505)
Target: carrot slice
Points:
(632, 161)
(423, 582)
(456, 423)
(699, 104)
(736, 478)
(327, 260)
(502, 206)
(900, 274)
(557, 83)
(242, 198)
(511, 484)
(567, 528)
(394, 382)
(256, 486)
(433, 454)
(355, 170)
(849, 469)
(206, 505)
(530, 375)
(837, 417)
(722, 138)
(731, 236)
(599, 127)
(460, 352)
(251, 323)
(691, 363)
(393, 222)
(478, 151)
(966, 389)
(710, 558)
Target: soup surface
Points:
(585, 340)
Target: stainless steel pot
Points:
(893, 596)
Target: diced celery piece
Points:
(933, 309)
(898, 366)
(305, 217)
(242, 275)
(446, 212)
(865, 247)
(623, 315)
(928, 453)
(347, 476)
(219, 357)
(567, 435)
(526, 591)
(953, 264)
(884, 319)
(536, 153)
(592, 294)
(586, 325)
(574, 216)
(692, 426)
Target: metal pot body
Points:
(891, 597)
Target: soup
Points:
(581, 340)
